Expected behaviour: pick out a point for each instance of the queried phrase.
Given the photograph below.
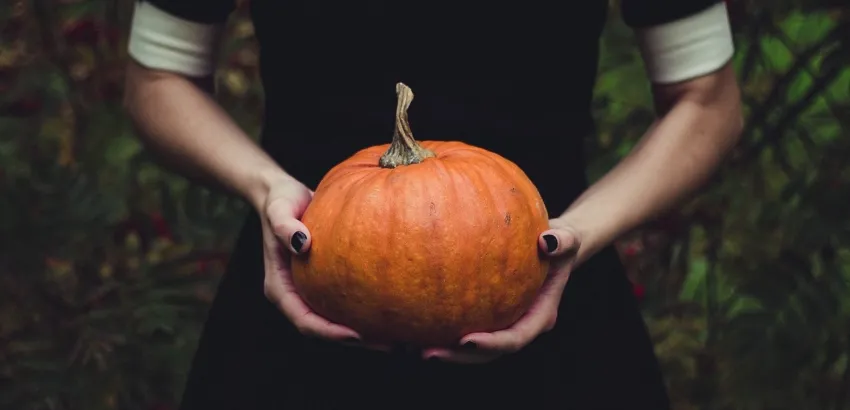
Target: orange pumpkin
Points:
(423, 243)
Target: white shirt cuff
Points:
(687, 48)
(160, 40)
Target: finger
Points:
(459, 356)
(310, 324)
(558, 241)
(292, 233)
(299, 313)
(503, 341)
(513, 339)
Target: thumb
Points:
(559, 241)
(290, 231)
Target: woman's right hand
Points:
(283, 236)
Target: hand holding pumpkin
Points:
(286, 203)
(393, 228)
(559, 243)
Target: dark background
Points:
(108, 263)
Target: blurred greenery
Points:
(109, 262)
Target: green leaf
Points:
(807, 28)
(799, 86)
(776, 54)
(694, 287)
(122, 149)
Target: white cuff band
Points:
(163, 41)
(687, 48)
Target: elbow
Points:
(139, 85)
(737, 130)
(725, 96)
(127, 102)
(724, 119)
(716, 103)
(734, 114)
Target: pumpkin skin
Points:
(423, 253)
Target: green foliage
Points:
(749, 292)
(109, 262)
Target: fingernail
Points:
(351, 340)
(470, 345)
(433, 359)
(298, 239)
(551, 242)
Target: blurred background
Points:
(108, 263)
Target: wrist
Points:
(260, 184)
(594, 234)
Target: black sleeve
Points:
(645, 13)
(198, 11)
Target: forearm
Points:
(698, 126)
(190, 131)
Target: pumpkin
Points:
(422, 243)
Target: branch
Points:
(787, 43)
(754, 50)
(776, 132)
(801, 62)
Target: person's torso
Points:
(514, 78)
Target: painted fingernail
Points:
(551, 242)
(298, 239)
(470, 345)
(351, 340)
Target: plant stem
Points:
(404, 149)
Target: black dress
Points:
(515, 78)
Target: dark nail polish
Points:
(351, 340)
(298, 240)
(433, 359)
(551, 243)
(470, 345)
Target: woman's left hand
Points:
(559, 243)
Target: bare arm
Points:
(188, 129)
(173, 43)
(679, 152)
(700, 120)
(166, 96)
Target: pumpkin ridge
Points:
(513, 172)
(458, 184)
(345, 174)
(525, 201)
(423, 254)
(502, 261)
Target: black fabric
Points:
(644, 13)
(198, 11)
(598, 357)
(514, 79)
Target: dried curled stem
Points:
(404, 149)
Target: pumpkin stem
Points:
(404, 149)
